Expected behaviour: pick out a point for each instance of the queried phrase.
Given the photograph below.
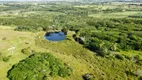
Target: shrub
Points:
(136, 58)
(128, 57)
(138, 72)
(27, 50)
(139, 62)
(6, 59)
(102, 51)
(39, 66)
(140, 78)
(65, 72)
(88, 77)
(4, 38)
(64, 30)
(0, 55)
(119, 56)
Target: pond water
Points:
(55, 36)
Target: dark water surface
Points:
(56, 36)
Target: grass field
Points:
(13, 38)
(116, 15)
(123, 14)
(18, 39)
(97, 7)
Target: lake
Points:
(55, 36)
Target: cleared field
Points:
(115, 15)
(102, 7)
(7, 27)
(16, 39)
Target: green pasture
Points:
(124, 14)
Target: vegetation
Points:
(39, 66)
(113, 36)
(98, 34)
(6, 59)
(117, 63)
(27, 51)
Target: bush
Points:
(4, 38)
(64, 30)
(39, 66)
(6, 59)
(88, 77)
(138, 72)
(102, 51)
(27, 50)
(139, 62)
(136, 58)
(65, 72)
(0, 55)
(119, 56)
(29, 28)
(140, 78)
(128, 57)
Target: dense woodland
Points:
(106, 37)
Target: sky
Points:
(62, 0)
(27, 0)
(38, 0)
(30, 0)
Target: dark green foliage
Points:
(139, 62)
(140, 78)
(113, 36)
(128, 57)
(65, 72)
(119, 56)
(98, 46)
(131, 73)
(15, 7)
(33, 29)
(65, 31)
(38, 66)
(102, 51)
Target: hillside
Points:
(101, 41)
